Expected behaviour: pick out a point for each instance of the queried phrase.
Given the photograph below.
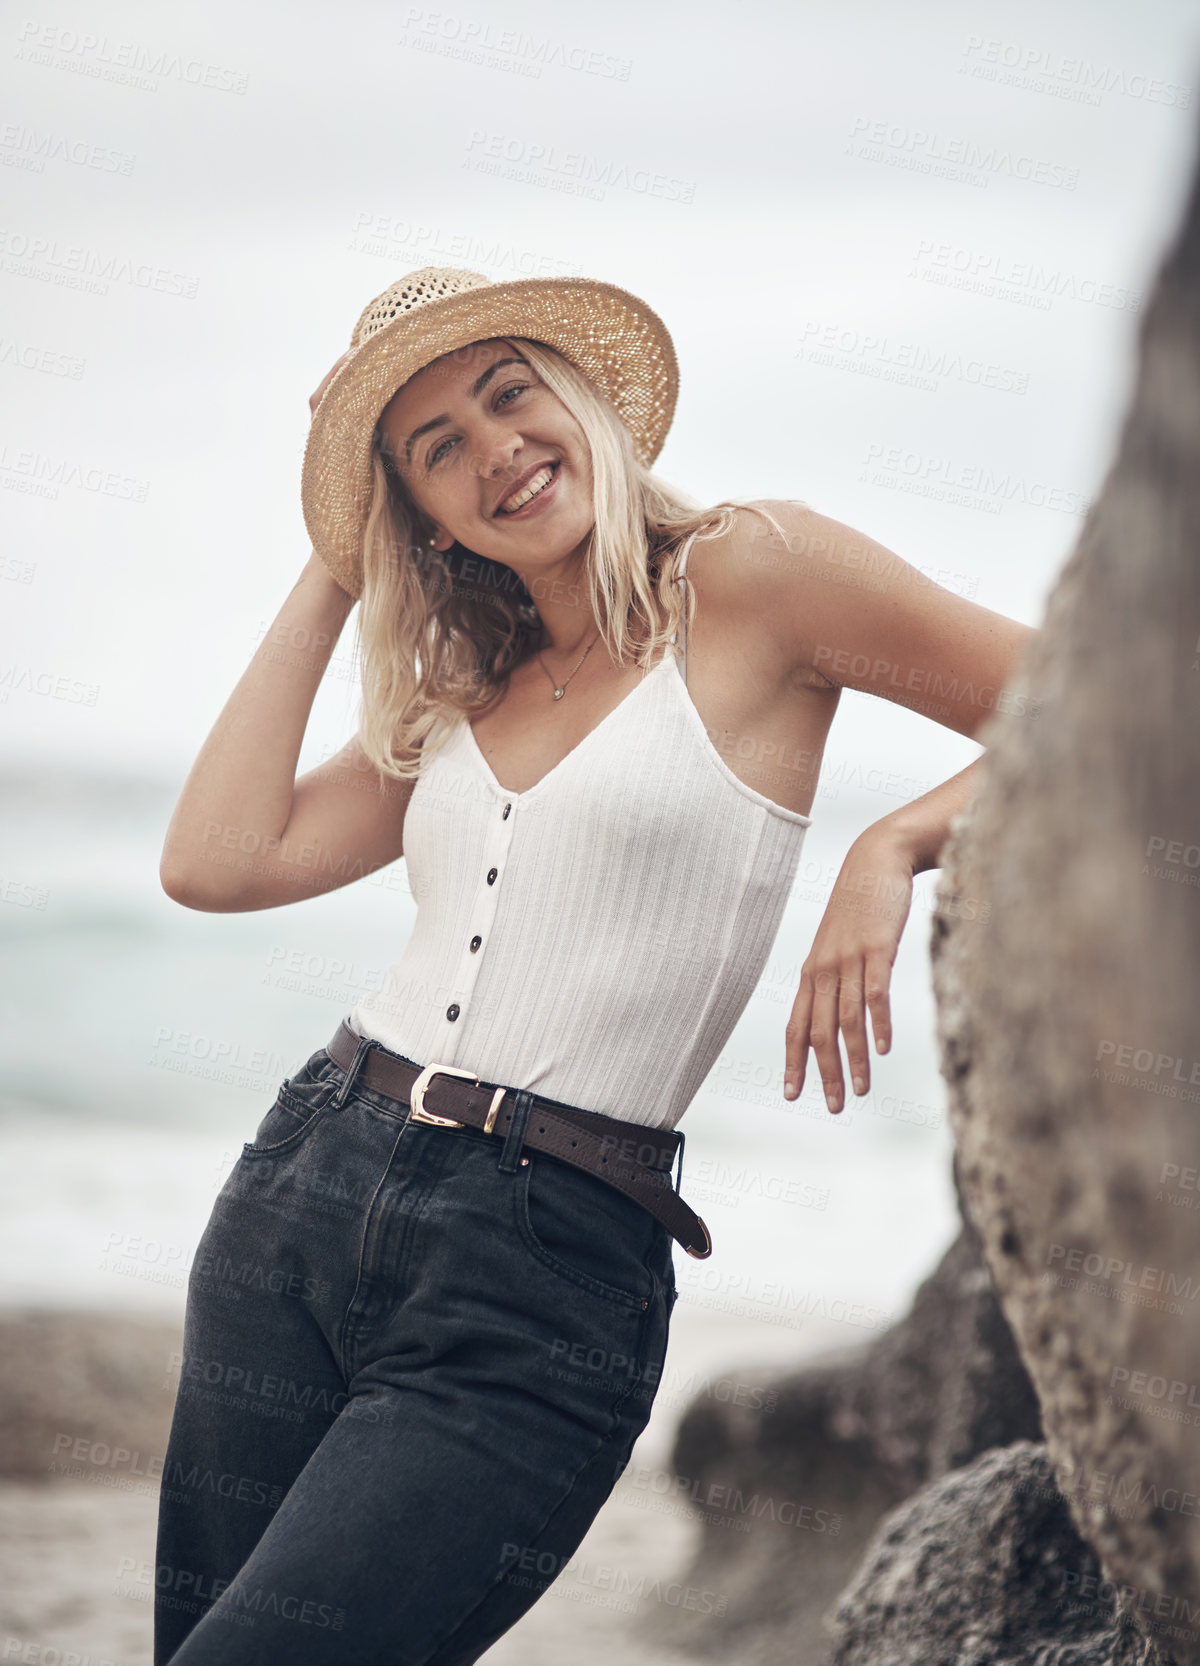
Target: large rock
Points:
(789, 1501)
(985, 1568)
(1069, 1022)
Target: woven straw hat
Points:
(614, 338)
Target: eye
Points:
(438, 452)
(514, 388)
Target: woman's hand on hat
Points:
(317, 397)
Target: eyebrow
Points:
(476, 390)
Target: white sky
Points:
(373, 119)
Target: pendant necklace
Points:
(559, 691)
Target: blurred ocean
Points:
(142, 1043)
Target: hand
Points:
(315, 399)
(851, 958)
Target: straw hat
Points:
(614, 338)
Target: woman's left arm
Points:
(848, 970)
(853, 610)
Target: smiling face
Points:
(493, 457)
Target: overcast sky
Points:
(954, 205)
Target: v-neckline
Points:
(667, 659)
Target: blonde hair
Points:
(439, 633)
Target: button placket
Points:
(492, 861)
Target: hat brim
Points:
(619, 342)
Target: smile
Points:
(532, 489)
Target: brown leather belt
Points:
(634, 1159)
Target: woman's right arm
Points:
(246, 834)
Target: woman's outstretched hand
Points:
(849, 968)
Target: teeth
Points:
(519, 499)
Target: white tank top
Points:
(596, 937)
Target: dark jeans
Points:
(414, 1366)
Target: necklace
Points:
(560, 691)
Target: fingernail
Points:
(860, 1085)
(835, 1101)
(790, 1089)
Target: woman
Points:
(452, 1233)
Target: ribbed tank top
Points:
(596, 937)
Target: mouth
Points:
(528, 490)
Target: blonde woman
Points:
(592, 720)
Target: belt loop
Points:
(679, 1157)
(514, 1139)
(356, 1063)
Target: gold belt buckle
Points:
(702, 1254)
(417, 1094)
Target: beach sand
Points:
(77, 1555)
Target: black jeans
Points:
(415, 1363)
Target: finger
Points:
(795, 1039)
(852, 1016)
(823, 1038)
(878, 979)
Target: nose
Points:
(492, 450)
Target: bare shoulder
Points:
(837, 607)
(762, 574)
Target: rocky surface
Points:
(789, 1502)
(985, 1568)
(1068, 1021)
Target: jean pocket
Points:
(586, 1231)
(300, 1105)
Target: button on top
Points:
(452, 1012)
(475, 942)
(492, 872)
(507, 808)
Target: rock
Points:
(1068, 1021)
(984, 1567)
(788, 1501)
(85, 1394)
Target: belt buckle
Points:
(702, 1254)
(417, 1111)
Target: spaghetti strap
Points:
(681, 575)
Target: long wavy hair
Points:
(439, 633)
